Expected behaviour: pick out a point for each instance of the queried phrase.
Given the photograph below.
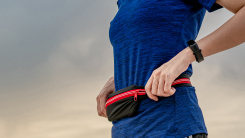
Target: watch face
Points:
(194, 47)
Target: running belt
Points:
(135, 91)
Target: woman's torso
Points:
(146, 34)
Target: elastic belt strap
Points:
(182, 80)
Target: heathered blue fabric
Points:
(146, 34)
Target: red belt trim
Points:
(136, 92)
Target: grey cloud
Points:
(55, 57)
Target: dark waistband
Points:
(183, 76)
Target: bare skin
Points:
(102, 97)
(229, 35)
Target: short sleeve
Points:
(210, 5)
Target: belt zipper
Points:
(139, 91)
(126, 94)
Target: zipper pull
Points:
(135, 95)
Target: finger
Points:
(154, 86)
(151, 96)
(100, 113)
(148, 89)
(148, 84)
(167, 87)
(104, 111)
(98, 106)
(161, 85)
(105, 115)
(102, 104)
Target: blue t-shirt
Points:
(146, 34)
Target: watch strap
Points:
(196, 51)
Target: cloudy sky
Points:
(55, 57)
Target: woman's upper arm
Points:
(232, 5)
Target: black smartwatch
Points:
(196, 51)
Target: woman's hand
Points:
(159, 84)
(102, 97)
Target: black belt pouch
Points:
(123, 102)
(124, 107)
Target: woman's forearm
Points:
(229, 35)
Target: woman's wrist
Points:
(190, 57)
